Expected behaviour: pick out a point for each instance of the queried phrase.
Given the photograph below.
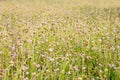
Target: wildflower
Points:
(27, 73)
(51, 50)
(106, 70)
(19, 43)
(25, 78)
(39, 70)
(33, 73)
(100, 40)
(84, 68)
(1, 52)
(30, 41)
(100, 71)
(57, 69)
(79, 78)
(13, 47)
(58, 43)
(112, 65)
(38, 66)
(11, 63)
(24, 67)
(14, 55)
(46, 40)
(43, 55)
(69, 73)
(47, 70)
(75, 68)
(52, 59)
(115, 30)
(67, 55)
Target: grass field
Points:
(59, 39)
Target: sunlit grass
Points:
(60, 40)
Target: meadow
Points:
(59, 39)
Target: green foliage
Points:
(60, 40)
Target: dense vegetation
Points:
(60, 40)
